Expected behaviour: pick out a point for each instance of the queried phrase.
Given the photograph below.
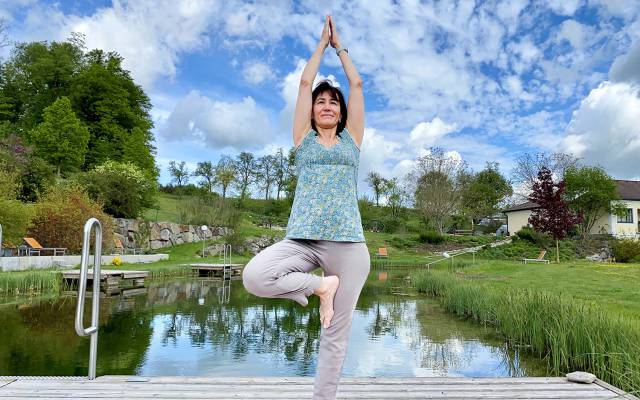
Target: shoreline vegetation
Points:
(569, 333)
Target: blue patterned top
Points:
(325, 206)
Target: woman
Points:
(324, 228)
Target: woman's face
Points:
(326, 111)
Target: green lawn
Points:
(614, 287)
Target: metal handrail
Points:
(82, 289)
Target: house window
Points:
(628, 217)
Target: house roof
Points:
(627, 190)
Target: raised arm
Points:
(355, 104)
(302, 115)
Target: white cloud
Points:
(605, 129)
(626, 68)
(574, 32)
(564, 7)
(257, 72)
(150, 35)
(427, 134)
(242, 125)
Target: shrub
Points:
(209, 210)
(14, 215)
(116, 261)
(123, 188)
(431, 237)
(626, 250)
(533, 236)
(60, 216)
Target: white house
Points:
(627, 226)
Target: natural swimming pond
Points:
(200, 326)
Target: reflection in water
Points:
(209, 327)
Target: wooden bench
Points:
(382, 253)
(539, 259)
(35, 248)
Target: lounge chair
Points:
(35, 248)
(539, 259)
(382, 253)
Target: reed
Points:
(29, 282)
(570, 334)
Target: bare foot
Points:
(326, 292)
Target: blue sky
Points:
(485, 81)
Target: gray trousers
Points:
(283, 270)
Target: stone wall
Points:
(155, 235)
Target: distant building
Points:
(627, 226)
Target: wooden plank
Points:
(135, 386)
(122, 394)
(4, 382)
(170, 387)
(614, 389)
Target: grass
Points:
(569, 333)
(612, 287)
(18, 283)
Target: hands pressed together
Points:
(330, 34)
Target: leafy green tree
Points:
(123, 189)
(179, 172)
(33, 78)
(137, 149)
(14, 215)
(225, 173)
(112, 105)
(207, 172)
(265, 174)
(61, 139)
(245, 166)
(281, 173)
(377, 183)
(593, 193)
(292, 176)
(484, 191)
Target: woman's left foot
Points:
(326, 293)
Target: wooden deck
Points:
(205, 269)
(112, 281)
(177, 387)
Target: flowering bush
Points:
(117, 261)
(124, 188)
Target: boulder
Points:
(581, 377)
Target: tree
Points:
(292, 176)
(554, 215)
(281, 173)
(60, 139)
(395, 196)
(436, 184)
(179, 172)
(112, 105)
(484, 191)
(123, 188)
(138, 150)
(207, 172)
(266, 173)
(245, 166)
(525, 172)
(225, 173)
(593, 194)
(377, 183)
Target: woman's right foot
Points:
(326, 292)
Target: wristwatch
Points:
(341, 49)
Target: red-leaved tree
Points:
(554, 216)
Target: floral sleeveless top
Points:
(325, 206)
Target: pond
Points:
(200, 326)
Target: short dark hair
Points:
(336, 93)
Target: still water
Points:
(200, 326)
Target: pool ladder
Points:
(91, 331)
(225, 294)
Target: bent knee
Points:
(253, 278)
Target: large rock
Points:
(165, 234)
(257, 244)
